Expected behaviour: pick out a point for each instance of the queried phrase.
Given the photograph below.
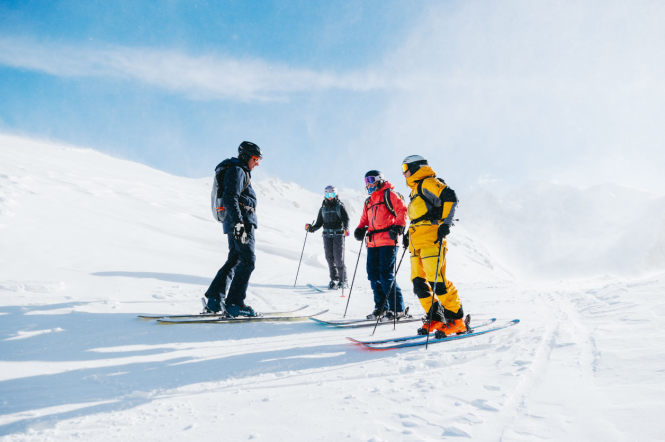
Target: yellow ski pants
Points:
(423, 272)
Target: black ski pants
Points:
(235, 273)
(334, 247)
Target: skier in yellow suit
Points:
(431, 212)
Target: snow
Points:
(88, 242)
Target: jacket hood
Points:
(386, 185)
(422, 173)
(234, 162)
(380, 190)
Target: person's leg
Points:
(222, 280)
(329, 248)
(338, 248)
(388, 255)
(421, 287)
(373, 255)
(445, 290)
(247, 258)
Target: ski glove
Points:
(395, 231)
(405, 240)
(308, 227)
(442, 232)
(346, 232)
(240, 233)
(359, 233)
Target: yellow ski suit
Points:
(432, 203)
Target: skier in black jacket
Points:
(239, 202)
(335, 221)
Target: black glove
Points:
(359, 233)
(442, 232)
(309, 228)
(395, 231)
(405, 240)
(240, 233)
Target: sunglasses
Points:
(257, 159)
(330, 194)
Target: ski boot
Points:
(458, 326)
(343, 285)
(333, 284)
(428, 326)
(376, 314)
(390, 315)
(213, 306)
(241, 310)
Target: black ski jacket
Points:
(332, 216)
(239, 198)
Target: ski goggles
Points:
(257, 159)
(405, 167)
(370, 180)
(330, 194)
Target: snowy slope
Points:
(88, 241)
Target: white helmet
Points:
(413, 163)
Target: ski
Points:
(357, 323)
(214, 315)
(239, 319)
(420, 342)
(314, 288)
(409, 338)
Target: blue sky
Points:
(495, 94)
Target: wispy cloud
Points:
(199, 77)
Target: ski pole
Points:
(386, 298)
(395, 288)
(354, 274)
(431, 305)
(343, 260)
(303, 252)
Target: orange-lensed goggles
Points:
(405, 167)
(257, 159)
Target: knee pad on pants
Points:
(421, 288)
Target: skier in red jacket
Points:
(383, 220)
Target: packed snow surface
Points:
(88, 242)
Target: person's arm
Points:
(319, 222)
(364, 222)
(449, 200)
(234, 182)
(345, 218)
(400, 209)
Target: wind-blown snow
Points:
(553, 231)
(88, 241)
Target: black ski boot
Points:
(213, 306)
(376, 314)
(333, 284)
(390, 315)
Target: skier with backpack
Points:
(382, 221)
(335, 221)
(431, 211)
(234, 205)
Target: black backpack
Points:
(218, 210)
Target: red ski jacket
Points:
(377, 216)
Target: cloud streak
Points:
(198, 77)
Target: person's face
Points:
(253, 162)
(407, 173)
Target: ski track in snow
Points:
(112, 239)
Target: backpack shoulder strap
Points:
(388, 203)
